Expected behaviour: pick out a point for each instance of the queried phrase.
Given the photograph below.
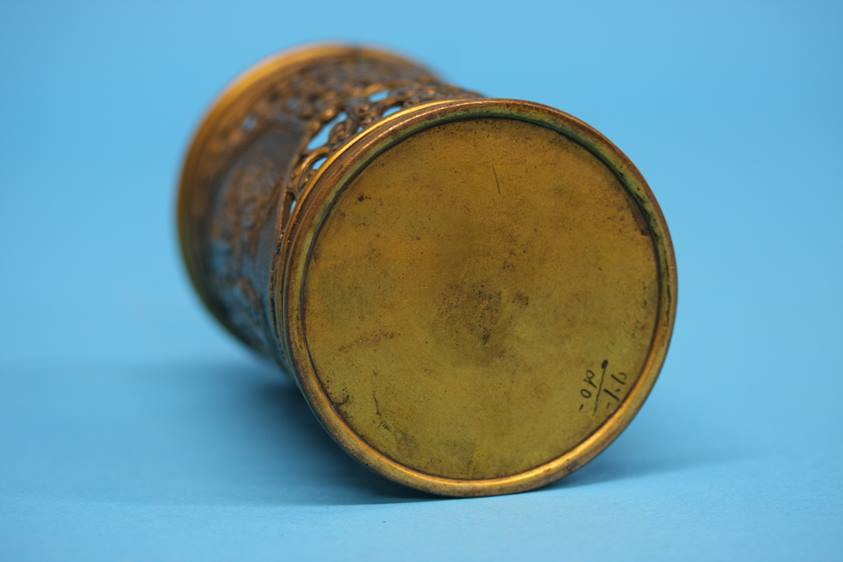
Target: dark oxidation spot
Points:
(369, 340)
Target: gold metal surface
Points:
(474, 295)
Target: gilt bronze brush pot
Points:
(475, 295)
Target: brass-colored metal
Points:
(474, 295)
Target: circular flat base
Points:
(478, 298)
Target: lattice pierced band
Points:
(474, 295)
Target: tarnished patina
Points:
(475, 295)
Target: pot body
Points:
(474, 295)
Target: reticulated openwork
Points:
(259, 157)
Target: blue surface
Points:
(133, 428)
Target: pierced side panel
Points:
(256, 161)
(241, 236)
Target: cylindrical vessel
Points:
(474, 295)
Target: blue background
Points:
(133, 428)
